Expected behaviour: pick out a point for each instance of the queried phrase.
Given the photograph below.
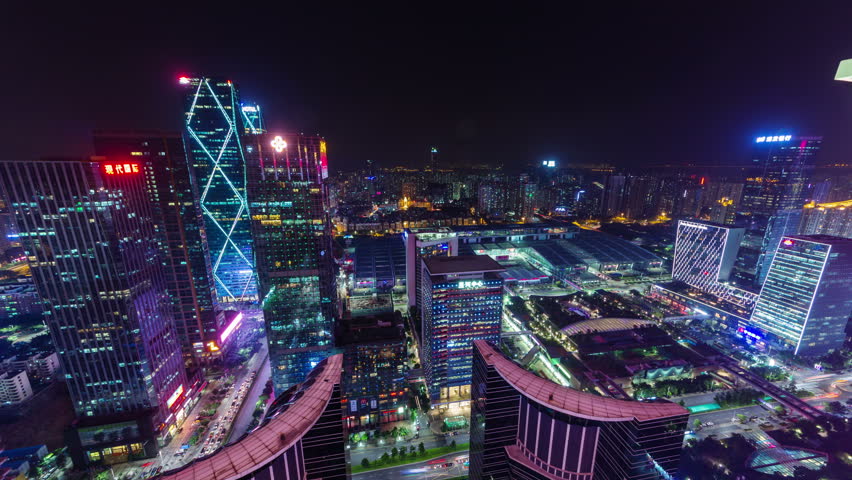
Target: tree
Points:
(453, 445)
(835, 407)
(394, 452)
(402, 453)
(412, 451)
(385, 457)
(365, 463)
(696, 424)
(742, 418)
(421, 448)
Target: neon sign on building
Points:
(121, 168)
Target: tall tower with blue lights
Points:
(214, 124)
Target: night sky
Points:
(634, 86)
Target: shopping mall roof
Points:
(570, 401)
(379, 259)
(271, 440)
(555, 252)
(461, 264)
(605, 325)
(604, 248)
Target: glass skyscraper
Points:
(292, 234)
(181, 233)
(805, 299)
(777, 180)
(88, 232)
(214, 128)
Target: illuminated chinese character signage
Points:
(175, 396)
(121, 168)
(471, 284)
(774, 138)
(323, 159)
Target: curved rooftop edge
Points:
(570, 401)
(264, 445)
(607, 324)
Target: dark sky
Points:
(656, 83)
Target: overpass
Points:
(779, 394)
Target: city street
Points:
(433, 469)
(245, 415)
(374, 451)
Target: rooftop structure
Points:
(463, 264)
(524, 426)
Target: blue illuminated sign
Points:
(774, 138)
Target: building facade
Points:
(705, 254)
(526, 427)
(88, 233)
(292, 239)
(375, 381)
(15, 387)
(214, 131)
(462, 302)
(833, 219)
(805, 299)
(301, 437)
(181, 231)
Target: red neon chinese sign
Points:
(121, 168)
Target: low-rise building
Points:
(15, 387)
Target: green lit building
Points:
(292, 240)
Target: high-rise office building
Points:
(827, 219)
(433, 159)
(721, 200)
(524, 426)
(613, 195)
(781, 224)
(777, 180)
(301, 437)
(779, 173)
(805, 299)
(88, 232)
(704, 253)
(292, 241)
(214, 129)
(181, 233)
(420, 245)
(462, 302)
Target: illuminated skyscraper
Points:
(462, 302)
(704, 253)
(179, 225)
(88, 232)
(805, 299)
(292, 234)
(214, 125)
(783, 223)
(777, 180)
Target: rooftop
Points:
(841, 205)
(461, 264)
(605, 325)
(570, 401)
(265, 444)
(824, 239)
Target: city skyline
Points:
(538, 94)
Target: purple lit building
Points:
(87, 230)
(526, 427)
